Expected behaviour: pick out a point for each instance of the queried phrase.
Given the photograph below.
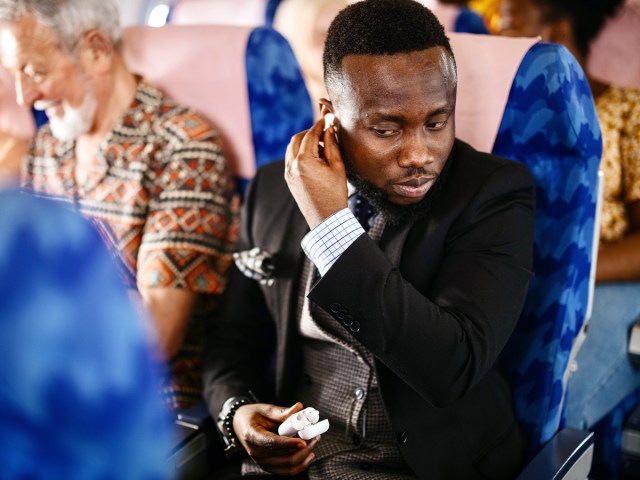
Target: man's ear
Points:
(325, 106)
(98, 50)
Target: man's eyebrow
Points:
(387, 117)
(444, 110)
(440, 111)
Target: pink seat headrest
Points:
(487, 66)
(219, 12)
(202, 67)
(614, 52)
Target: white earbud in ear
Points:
(328, 120)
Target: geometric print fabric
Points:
(160, 195)
(158, 191)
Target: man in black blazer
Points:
(392, 335)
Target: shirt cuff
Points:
(330, 238)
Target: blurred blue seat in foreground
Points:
(79, 396)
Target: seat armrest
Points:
(197, 417)
(197, 451)
(567, 455)
(634, 343)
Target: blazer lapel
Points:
(393, 240)
(292, 227)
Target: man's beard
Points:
(393, 213)
(75, 121)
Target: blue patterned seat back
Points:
(80, 392)
(278, 99)
(270, 13)
(550, 125)
(470, 21)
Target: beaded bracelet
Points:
(226, 426)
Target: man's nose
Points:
(26, 91)
(415, 151)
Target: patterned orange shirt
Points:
(160, 194)
(619, 115)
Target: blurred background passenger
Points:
(490, 12)
(457, 16)
(149, 173)
(218, 12)
(613, 54)
(16, 131)
(304, 23)
(79, 396)
(605, 375)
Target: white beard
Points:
(75, 121)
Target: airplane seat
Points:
(536, 108)
(80, 396)
(272, 6)
(220, 12)
(245, 80)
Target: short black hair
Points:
(381, 27)
(585, 16)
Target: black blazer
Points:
(436, 301)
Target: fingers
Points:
(318, 184)
(280, 414)
(260, 441)
(261, 438)
(307, 144)
(255, 424)
(310, 141)
(292, 464)
(276, 413)
(299, 145)
(331, 148)
(294, 147)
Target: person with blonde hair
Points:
(304, 23)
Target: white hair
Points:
(68, 19)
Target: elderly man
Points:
(392, 335)
(150, 173)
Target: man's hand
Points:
(316, 178)
(254, 426)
